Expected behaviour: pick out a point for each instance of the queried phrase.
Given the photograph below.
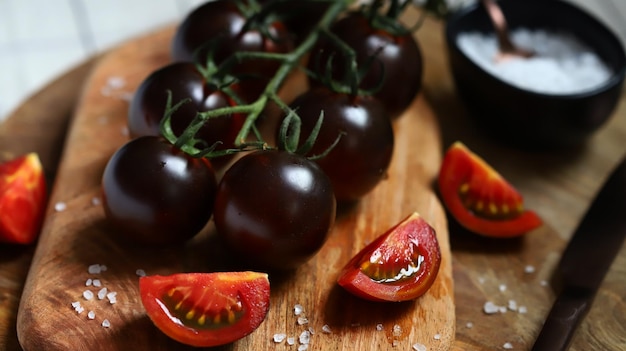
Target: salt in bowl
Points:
(546, 112)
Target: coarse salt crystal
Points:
(543, 283)
(140, 272)
(291, 340)
(102, 293)
(522, 309)
(437, 337)
(469, 325)
(95, 269)
(326, 329)
(303, 347)
(97, 283)
(507, 345)
(298, 309)
(60, 206)
(302, 320)
(89, 282)
(379, 327)
(419, 347)
(77, 307)
(395, 343)
(91, 315)
(311, 330)
(112, 297)
(397, 330)
(502, 309)
(88, 295)
(279, 337)
(529, 269)
(490, 307)
(106, 323)
(305, 337)
(512, 305)
(116, 82)
(502, 287)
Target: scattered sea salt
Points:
(469, 325)
(397, 330)
(302, 320)
(279, 337)
(89, 282)
(562, 64)
(97, 283)
(112, 297)
(326, 329)
(106, 323)
(419, 347)
(507, 345)
(96, 268)
(522, 309)
(303, 347)
(543, 283)
(305, 337)
(102, 293)
(60, 206)
(298, 309)
(437, 337)
(88, 295)
(91, 315)
(379, 327)
(529, 269)
(77, 307)
(512, 305)
(291, 340)
(140, 272)
(491, 308)
(502, 287)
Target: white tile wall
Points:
(41, 39)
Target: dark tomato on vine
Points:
(396, 71)
(154, 193)
(222, 22)
(206, 309)
(360, 159)
(274, 208)
(300, 17)
(147, 107)
(400, 265)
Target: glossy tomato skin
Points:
(400, 265)
(222, 21)
(206, 309)
(479, 198)
(23, 198)
(360, 160)
(147, 108)
(154, 193)
(275, 209)
(397, 72)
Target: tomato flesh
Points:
(479, 198)
(206, 309)
(22, 199)
(400, 265)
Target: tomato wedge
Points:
(206, 309)
(479, 198)
(22, 199)
(400, 265)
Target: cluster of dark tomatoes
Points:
(280, 198)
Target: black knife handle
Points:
(567, 312)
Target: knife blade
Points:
(585, 261)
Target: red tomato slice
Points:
(479, 198)
(22, 199)
(206, 309)
(399, 265)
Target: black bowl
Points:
(525, 118)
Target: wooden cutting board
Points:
(75, 236)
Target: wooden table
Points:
(559, 185)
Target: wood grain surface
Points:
(559, 185)
(78, 236)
